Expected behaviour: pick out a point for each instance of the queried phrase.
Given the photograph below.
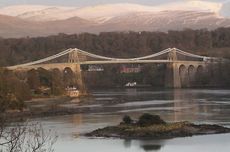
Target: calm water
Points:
(108, 106)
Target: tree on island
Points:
(127, 120)
(148, 119)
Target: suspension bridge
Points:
(181, 66)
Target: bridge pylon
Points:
(80, 79)
(73, 58)
(172, 75)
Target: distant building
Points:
(130, 69)
(95, 68)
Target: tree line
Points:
(116, 44)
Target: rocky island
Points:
(153, 127)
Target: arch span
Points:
(191, 74)
(183, 75)
(200, 69)
(69, 77)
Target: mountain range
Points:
(37, 20)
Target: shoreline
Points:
(60, 105)
(40, 107)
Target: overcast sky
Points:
(86, 2)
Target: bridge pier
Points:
(179, 73)
(74, 59)
(182, 75)
(80, 81)
(172, 76)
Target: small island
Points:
(153, 127)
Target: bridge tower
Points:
(74, 59)
(172, 77)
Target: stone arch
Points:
(21, 74)
(183, 75)
(57, 81)
(45, 76)
(33, 71)
(56, 72)
(200, 69)
(43, 68)
(191, 74)
(67, 70)
(200, 76)
(69, 77)
(33, 79)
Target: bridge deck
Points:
(73, 58)
(63, 65)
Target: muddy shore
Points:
(60, 105)
(44, 107)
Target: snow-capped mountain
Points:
(48, 13)
(45, 20)
(166, 20)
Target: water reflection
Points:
(148, 148)
(77, 121)
(189, 107)
(151, 145)
(127, 143)
(195, 105)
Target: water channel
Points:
(107, 107)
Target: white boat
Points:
(131, 84)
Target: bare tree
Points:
(26, 138)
